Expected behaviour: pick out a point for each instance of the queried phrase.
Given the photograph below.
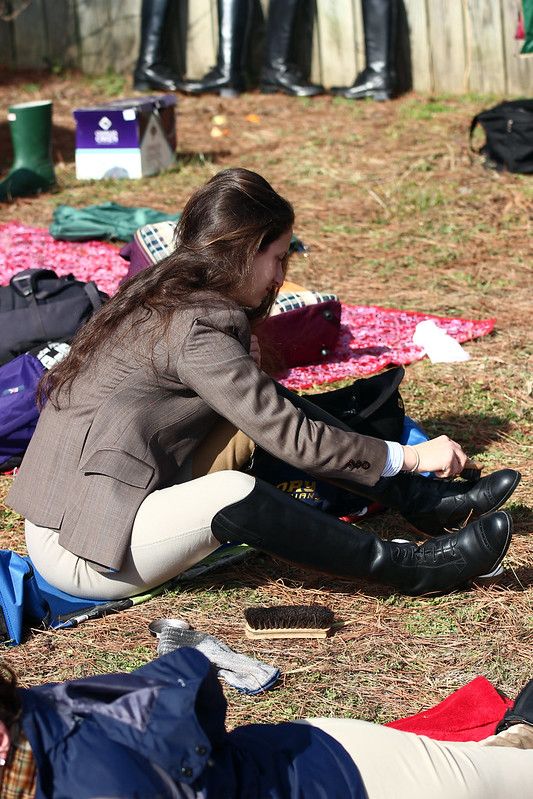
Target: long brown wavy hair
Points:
(223, 226)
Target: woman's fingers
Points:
(442, 456)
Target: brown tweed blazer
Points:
(137, 413)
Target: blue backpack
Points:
(18, 408)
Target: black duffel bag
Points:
(509, 135)
(38, 306)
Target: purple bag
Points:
(18, 407)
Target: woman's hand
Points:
(255, 350)
(441, 455)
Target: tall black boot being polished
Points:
(280, 525)
(150, 71)
(377, 79)
(436, 507)
(278, 73)
(227, 78)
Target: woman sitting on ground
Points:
(160, 731)
(138, 466)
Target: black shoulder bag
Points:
(38, 306)
(509, 136)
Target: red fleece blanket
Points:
(371, 337)
(469, 714)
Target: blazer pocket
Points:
(120, 466)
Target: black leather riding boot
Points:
(278, 73)
(437, 506)
(228, 76)
(377, 80)
(282, 526)
(150, 72)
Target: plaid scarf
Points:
(19, 774)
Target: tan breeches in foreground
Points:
(402, 765)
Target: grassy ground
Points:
(395, 211)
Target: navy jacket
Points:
(159, 733)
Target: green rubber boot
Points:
(31, 133)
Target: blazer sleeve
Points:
(215, 364)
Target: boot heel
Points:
(381, 96)
(266, 89)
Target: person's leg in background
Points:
(402, 765)
(279, 72)
(150, 71)
(377, 80)
(227, 77)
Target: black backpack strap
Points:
(93, 295)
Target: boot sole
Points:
(265, 89)
(226, 93)
(229, 93)
(378, 96)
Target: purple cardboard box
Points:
(126, 138)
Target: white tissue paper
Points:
(438, 345)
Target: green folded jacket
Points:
(105, 221)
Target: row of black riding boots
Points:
(278, 73)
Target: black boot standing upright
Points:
(227, 78)
(280, 525)
(377, 80)
(150, 71)
(278, 73)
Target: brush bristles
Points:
(289, 617)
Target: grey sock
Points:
(242, 672)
